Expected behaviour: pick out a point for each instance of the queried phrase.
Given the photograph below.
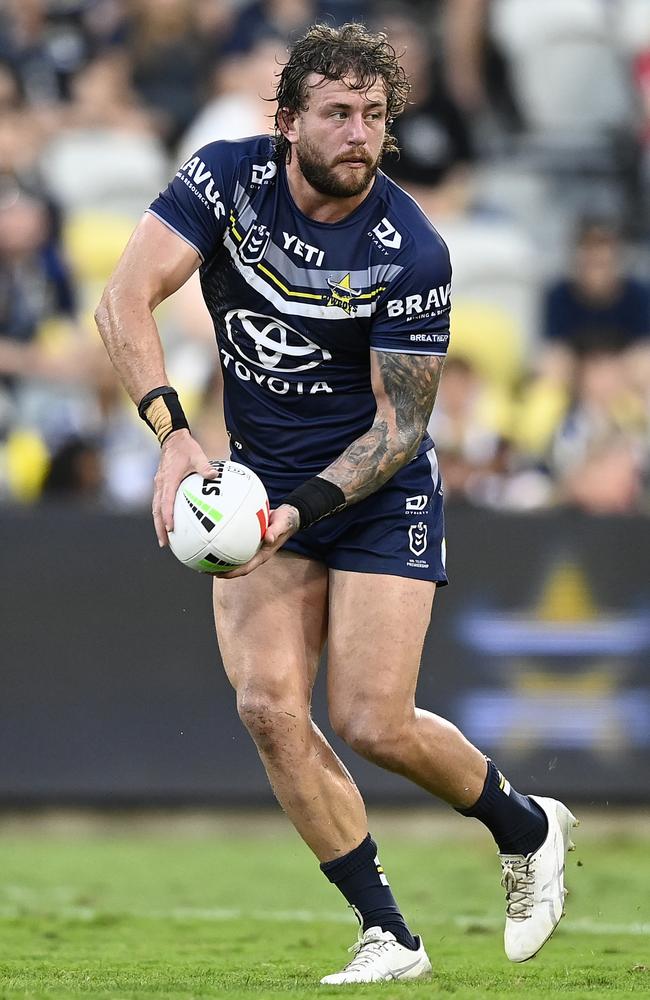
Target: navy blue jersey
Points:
(298, 305)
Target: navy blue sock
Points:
(361, 879)
(518, 824)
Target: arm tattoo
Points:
(410, 384)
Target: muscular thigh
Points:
(377, 627)
(271, 625)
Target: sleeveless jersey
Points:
(298, 305)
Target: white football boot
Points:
(534, 885)
(379, 957)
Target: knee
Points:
(274, 720)
(372, 733)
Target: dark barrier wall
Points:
(113, 690)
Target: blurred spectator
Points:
(435, 145)
(44, 354)
(22, 131)
(597, 306)
(75, 472)
(101, 97)
(35, 284)
(237, 107)
(264, 19)
(25, 43)
(600, 453)
(168, 62)
(107, 157)
(11, 92)
(607, 480)
(467, 427)
(476, 72)
(104, 24)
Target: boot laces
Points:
(518, 879)
(367, 947)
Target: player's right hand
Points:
(180, 456)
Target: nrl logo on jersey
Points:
(253, 246)
(263, 172)
(341, 294)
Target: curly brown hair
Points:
(351, 52)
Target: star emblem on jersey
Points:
(418, 538)
(341, 294)
(253, 246)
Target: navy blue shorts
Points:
(399, 530)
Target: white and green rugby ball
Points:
(219, 523)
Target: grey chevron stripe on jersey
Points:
(309, 277)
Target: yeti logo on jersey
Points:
(388, 235)
(263, 172)
(253, 246)
(271, 344)
(417, 503)
(418, 538)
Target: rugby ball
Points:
(219, 523)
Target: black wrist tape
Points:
(316, 499)
(162, 411)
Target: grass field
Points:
(237, 908)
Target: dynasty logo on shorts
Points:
(417, 503)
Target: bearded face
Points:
(343, 176)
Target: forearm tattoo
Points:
(410, 385)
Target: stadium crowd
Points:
(527, 143)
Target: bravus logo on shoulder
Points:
(204, 184)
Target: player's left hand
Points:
(283, 523)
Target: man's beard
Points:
(323, 177)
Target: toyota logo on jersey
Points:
(271, 344)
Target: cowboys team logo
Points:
(341, 294)
(418, 538)
(253, 246)
(271, 344)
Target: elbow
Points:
(101, 314)
(102, 311)
(409, 440)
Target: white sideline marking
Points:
(31, 907)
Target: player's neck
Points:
(317, 206)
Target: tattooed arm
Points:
(405, 387)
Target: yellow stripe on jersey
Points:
(287, 291)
